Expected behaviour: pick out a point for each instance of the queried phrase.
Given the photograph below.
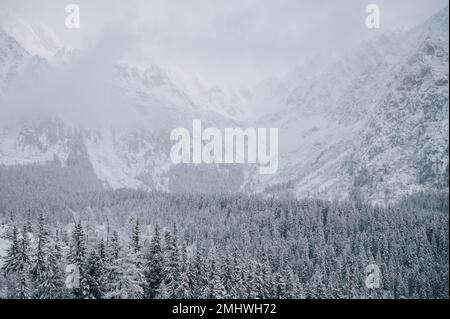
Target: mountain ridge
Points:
(372, 125)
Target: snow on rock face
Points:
(133, 157)
(373, 125)
(173, 89)
(405, 142)
(36, 39)
(32, 145)
(127, 159)
(12, 58)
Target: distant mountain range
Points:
(372, 125)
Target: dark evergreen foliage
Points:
(226, 246)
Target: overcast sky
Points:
(231, 41)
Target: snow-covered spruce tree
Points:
(292, 284)
(102, 249)
(23, 290)
(198, 277)
(52, 282)
(11, 259)
(136, 246)
(259, 286)
(77, 256)
(135, 237)
(93, 275)
(316, 287)
(131, 277)
(252, 281)
(154, 266)
(103, 273)
(280, 287)
(11, 264)
(267, 278)
(184, 289)
(29, 224)
(124, 271)
(216, 289)
(112, 267)
(237, 277)
(172, 264)
(228, 274)
(40, 267)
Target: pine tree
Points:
(184, 289)
(112, 267)
(40, 267)
(23, 271)
(266, 277)
(102, 249)
(228, 275)
(125, 276)
(135, 237)
(317, 289)
(172, 264)
(93, 275)
(237, 278)
(154, 266)
(131, 277)
(11, 260)
(77, 256)
(51, 285)
(29, 224)
(251, 280)
(280, 290)
(291, 284)
(103, 273)
(216, 290)
(198, 276)
(113, 250)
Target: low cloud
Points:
(229, 42)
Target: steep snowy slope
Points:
(404, 145)
(25, 142)
(36, 39)
(13, 59)
(373, 125)
(130, 151)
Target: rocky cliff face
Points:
(372, 125)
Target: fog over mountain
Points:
(87, 180)
(372, 123)
(229, 43)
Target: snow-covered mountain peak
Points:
(372, 124)
(37, 39)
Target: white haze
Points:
(81, 92)
(232, 42)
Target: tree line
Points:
(248, 247)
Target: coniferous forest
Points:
(231, 150)
(132, 244)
